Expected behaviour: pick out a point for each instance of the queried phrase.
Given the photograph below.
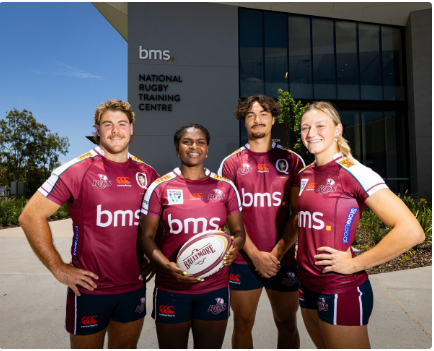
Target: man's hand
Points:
(266, 264)
(72, 276)
(147, 269)
(179, 275)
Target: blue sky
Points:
(60, 60)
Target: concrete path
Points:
(32, 303)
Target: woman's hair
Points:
(112, 105)
(268, 104)
(331, 111)
(181, 130)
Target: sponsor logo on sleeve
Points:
(103, 182)
(245, 169)
(330, 187)
(175, 197)
(163, 178)
(348, 224)
(303, 184)
(220, 306)
(84, 156)
(282, 166)
(141, 180)
(346, 163)
(217, 196)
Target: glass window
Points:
(353, 132)
(373, 143)
(346, 61)
(370, 62)
(324, 74)
(276, 53)
(300, 62)
(393, 69)
(251, 52)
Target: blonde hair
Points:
(331, 111)
(111, 105)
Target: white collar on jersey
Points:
(273, 145)
(101, 152)
(177, 171)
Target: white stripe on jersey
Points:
(146, 199)
(220, 170)
(369, 180)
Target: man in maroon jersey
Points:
(265, 175)
(103, 190)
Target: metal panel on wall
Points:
(182, 67)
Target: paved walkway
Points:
(32, 303)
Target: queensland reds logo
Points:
(322, 305)
(282, 166)
(141, 180)
(103, 182)
(291, 280)
(217, 196)
(140, 308)
(219, 307)
(328, 188)
(245, 169)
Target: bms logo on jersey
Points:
(192, 225)
(310, 220)
(261, 199)
(105, 218)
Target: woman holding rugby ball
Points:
(187, 201)
(334, 291)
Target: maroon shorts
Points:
(352, 308)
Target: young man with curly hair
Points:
(265, 175)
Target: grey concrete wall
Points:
(419, 75)
(203, 42)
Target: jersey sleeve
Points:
(56, 190)
(362, 181)
(233, 204)
(227, 169)
(151, 204)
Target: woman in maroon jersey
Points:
(186, 201)
(334, 292)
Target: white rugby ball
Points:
(202, 255)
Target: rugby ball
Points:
(202, 255)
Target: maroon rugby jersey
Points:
(331, 201)
(188, 207)
(103, 198)
(264, 181)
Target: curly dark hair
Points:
(268, 104)
(180, 131)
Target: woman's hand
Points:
(232, 253)
(336, 261)
(181, 276)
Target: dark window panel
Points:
(276, 53)
(353, 132)
(324, 74)
(370, 62)
(392, 57)
(347, 61)
(300, 60)
(251, 52)
(374, 146)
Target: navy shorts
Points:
(352, 308)
(177, 308)
(244, 277)
(89, 314)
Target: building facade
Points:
(191, 62)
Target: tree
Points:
(291, 112)
(28, 148)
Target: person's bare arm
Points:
(147, 230)
(405, 234)
(33, 220)
(290, 231)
